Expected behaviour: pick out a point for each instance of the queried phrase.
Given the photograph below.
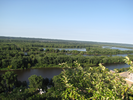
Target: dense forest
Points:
(83, 79)
(23, 54)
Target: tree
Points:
(35, 81)
(9, 80)
(17, 63)
(129, 62)
(91, 83)
(2, 86)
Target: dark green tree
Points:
(35, 81)
(9, 80)
(2, 86)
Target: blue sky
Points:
(85, 20)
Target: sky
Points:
(83, 20)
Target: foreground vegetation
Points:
(78, 83)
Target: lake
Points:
(23, 75)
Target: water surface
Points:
(23, 75)
(113, 66)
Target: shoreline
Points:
(53, 66)
(57, 66)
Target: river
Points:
(23, 75)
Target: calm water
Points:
(116, 48)
(113, 66)
(23, 75)
(70, 49)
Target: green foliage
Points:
(97, 50)
(19, 93)
(122, 69)
(90, 83)
(9, 80)
(23, 54)
(77, 83)
(129, 62)
(2, 85)
(35, 81)
(9, 67)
